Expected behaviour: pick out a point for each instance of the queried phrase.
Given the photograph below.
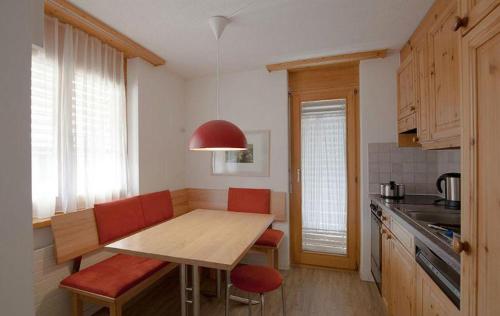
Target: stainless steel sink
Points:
(436, 218)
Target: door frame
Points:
(351, 260)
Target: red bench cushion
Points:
(114, 276)
(249, 200)
(118, 218)
(256, 279)
(270, 238)
(157, 207)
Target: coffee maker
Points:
(451, 189)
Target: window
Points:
(78, 121)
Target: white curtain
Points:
(324, 168)
(78, 123)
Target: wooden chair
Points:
(116, 280)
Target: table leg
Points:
(218, 283)
(183, 289)
(228, 288)
(196, 290)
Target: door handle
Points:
(298, 175)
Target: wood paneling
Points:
(327, 60)
(68, 13)
(207, 238)
(480, 60)
(331, 77)
(180, 201)
(475, 11)
(75, 234)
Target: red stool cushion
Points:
(114, 276)
(118, 218)
(249, 200)
(270, 238)
(256, 279)
(157, 207)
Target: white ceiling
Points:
(265, 31)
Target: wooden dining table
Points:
(201, 238)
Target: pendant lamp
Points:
(218, 135)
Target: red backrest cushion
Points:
(249, 200)
(157, 207)
(118, 218)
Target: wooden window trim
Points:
(70, 14)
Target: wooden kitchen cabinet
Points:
(431, 301)
(406, 96)
(421, 62)
(444, 89)
(473, 11)
(480, 62)
(386, 269)
(402, 265)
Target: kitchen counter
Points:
(416, 217)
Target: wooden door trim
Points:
(352, 260)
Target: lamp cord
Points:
(218, 81)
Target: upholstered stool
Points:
(259, 280)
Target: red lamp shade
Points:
(218, 135)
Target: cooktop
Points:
(415, 199)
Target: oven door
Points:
(376, 250)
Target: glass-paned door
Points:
(324, 176)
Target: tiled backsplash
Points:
(418, 169)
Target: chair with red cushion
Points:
(258, 280)
(257, 201)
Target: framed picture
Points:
(253, 162)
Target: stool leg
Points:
(228, 288)
(261, 304)
(283, 298)
(249, 305)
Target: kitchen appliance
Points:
(451, 189)
(392, 190)
(376, 245)
(445, 276)
(414, 200)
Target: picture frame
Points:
(253, 162)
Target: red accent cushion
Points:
(118, 218)
(271, 238)
(249, 200)
(256, 279)
(157, 207)
(114, 276)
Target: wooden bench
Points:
(116, 280)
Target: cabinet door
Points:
(431, 301)
(406, 89)
(444, 81)
(481, 168)
(402, 280)
(386, 267)
(475, 11)
(422, 88)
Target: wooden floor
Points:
(308, 292)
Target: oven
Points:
(376, 245)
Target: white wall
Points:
(378, 124)
(156, 98)
(16, 239)
(253, 100)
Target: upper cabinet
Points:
(430, 58)
(444, 92)
(472, 12)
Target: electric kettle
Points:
(451, 189)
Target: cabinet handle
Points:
(412, 108)
(459, 246)
(460, 22)
(415, 139)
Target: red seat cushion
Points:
(114, 276)
(256, 279)
(249, 200)
(270, 238)
(157, 207)
(118, 218)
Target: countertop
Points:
(419, 228)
